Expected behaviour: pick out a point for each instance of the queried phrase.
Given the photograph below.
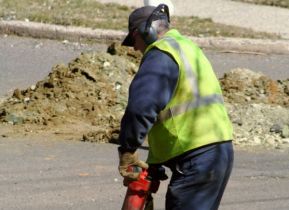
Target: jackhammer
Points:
(139, 192)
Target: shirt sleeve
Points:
(149, 92)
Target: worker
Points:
(175, 101)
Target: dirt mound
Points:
(260, 125)
(91, 90)
(247, 87)
(258, 108)
(127, 52)
(87, 99)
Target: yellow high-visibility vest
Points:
(195, 116)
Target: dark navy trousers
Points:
(199, 177)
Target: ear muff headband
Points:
(158, 12)
(148, 33)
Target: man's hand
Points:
(127, 159)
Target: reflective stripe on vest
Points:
(198, 101)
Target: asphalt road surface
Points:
(24, 61)
(49, 174)
(53, 174)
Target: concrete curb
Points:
(41, 30)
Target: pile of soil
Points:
(90, 91)
(258, 108)
(260, 125)
(244, 86)
(86, 99)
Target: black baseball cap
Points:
(136, 18)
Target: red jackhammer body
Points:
(139, 191)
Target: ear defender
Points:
(146, 30)
(148, 34)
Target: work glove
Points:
(127, 160)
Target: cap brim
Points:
(128, 41)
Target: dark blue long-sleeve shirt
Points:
(149, 92)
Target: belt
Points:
(184, 160)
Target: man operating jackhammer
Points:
(175, 100)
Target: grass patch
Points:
(87, 13)
(195, 26)
(276, 3)
(90, 13)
